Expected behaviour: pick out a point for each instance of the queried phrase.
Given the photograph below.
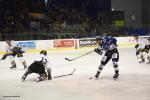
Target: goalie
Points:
(39, 66)
(12, 50)
(142, 49)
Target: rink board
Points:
(66, 44)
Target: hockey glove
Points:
(98, 51)
(137, 52)
(5, 56)
(136, 46)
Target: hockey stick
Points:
(79, 56)
(136, 54)
(66, 74)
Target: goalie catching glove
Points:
(98, 51)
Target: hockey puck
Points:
(90, 78)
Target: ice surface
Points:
(133, 83)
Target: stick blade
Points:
(66, 74)
(73, 71)
(68, 59)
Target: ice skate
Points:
(97, 75)
(23, 78)
(13, 67)
(116, 76)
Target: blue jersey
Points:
(108, 43)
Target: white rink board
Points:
(48, 44)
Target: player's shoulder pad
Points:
(105, 39)
(113, 39)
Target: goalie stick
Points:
(66, 74)
(79, 56)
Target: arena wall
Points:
(66, 44)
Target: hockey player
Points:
(142, 49)
(39, 66)
(109, 46)
(12, 50)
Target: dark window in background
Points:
(36, 5)
(92, 6)
(118, 15)
(95, 6)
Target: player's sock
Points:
(49, 74)
(99, 71)
(24, 64)
(117, 71)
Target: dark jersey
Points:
(108, 43)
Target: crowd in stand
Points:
(15, 18)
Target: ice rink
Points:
(133, 83)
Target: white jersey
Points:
(9, 48)
(42, 58)
(142, 42)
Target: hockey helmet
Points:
(8, 42)
(136, 36)
(44, 52)
(98, 38)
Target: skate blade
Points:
(93, 78)
(13, 68)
